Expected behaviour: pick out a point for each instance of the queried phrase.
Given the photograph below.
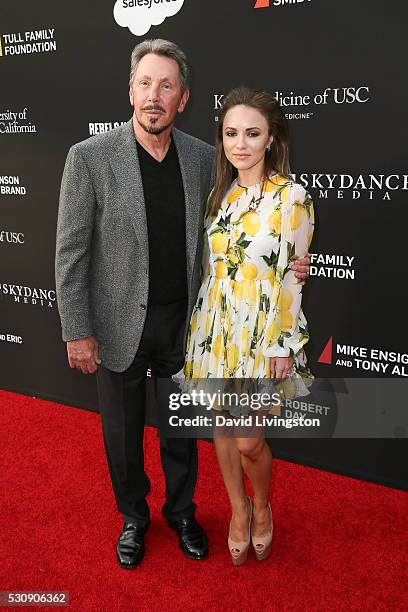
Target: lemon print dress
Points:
(249, 305)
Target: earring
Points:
(268, 148)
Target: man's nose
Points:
(153, 93)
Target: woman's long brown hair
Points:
(276, 160)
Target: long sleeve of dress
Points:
(286, 327)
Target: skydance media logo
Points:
(27, 295)
(354, 186)
(140, 15)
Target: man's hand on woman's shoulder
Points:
(301, 268)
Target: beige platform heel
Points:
(262, 544)
(239, 550)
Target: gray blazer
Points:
(102, 254)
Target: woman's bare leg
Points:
(229, 459)
(256, 461)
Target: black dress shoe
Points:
(130, 548)
(192, 538)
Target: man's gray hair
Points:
(165, 48)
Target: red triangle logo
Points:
(326, 354)
(262, 4)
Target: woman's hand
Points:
(281, 367)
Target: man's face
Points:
(155, 93)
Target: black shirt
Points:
(166, 226)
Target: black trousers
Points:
(122, 398)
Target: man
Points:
(128, 259)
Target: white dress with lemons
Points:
(249, 305)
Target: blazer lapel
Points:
(125, 165)
(189, 166)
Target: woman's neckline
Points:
(255, 184)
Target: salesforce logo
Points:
(140, 15)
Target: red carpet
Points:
(340, 544)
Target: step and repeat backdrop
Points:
(337, 68)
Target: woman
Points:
(247, 322)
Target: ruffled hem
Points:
(296, 385)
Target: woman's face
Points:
(245, 138)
